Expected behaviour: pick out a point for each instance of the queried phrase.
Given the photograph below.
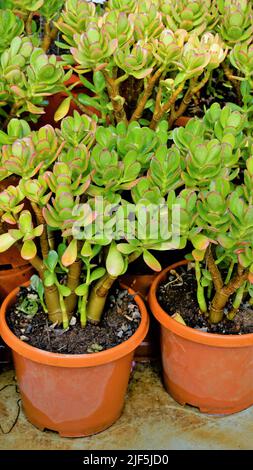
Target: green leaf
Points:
(125, 248)
(200, 242)
(6, 241)
(49, 279)
(64, 290)
(114, 262)
(97, 274)
(29, 250)
(63, 109)
(81, 290)
(51, 260)
(70, 254)
(151, 261)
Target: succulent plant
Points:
(28, 75)
(193, 15)
(10, 27)
(236, 20)
(136, 61)
(94, 46)
(75, 18)
(241, 58)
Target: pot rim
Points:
(188, 333)
(72, 360)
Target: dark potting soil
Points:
(120, 320)
(219, 90)
(179, 295)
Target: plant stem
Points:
(98, 297)
(230, 270)
(236, 84)
(65, 318)
(116, 99)
(237, 302)
(44, 245)
(213, 269)
(192, 90)
(49, 36)
(157, 116)
(83, 308)
(200, 289)
(28, 25)
(73, 282)
(145, 96)
(222, 296)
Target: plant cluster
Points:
(205, 176)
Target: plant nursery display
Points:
(95, 174)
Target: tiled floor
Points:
(151, 420)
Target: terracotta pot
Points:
(182, 121)
(75, 395)
(149, 348)
(14, 271)
(210, 371)
(54, 102)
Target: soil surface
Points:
(218, 90)
(119, 322)
(178, 295)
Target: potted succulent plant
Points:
(204, 304)
(64, 174)
(152, 60)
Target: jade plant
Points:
(148, 59)
(73, 214)
(218, 175)
(27, 77)
(38, 18)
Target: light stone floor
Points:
(151, 420)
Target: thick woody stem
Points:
(221, 297)
(145, 96)
(98, 298)
(44, 245)
(157, 116)
(116, 99)
(28, 25)
(192, 90)
(213, 269)
(73, 282)
(230, 77)
(49, 36)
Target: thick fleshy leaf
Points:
(63, 109)
(97, 274)
(69, 256)
(6, 241)
(151, 261)
(114, 262)
(29, 250)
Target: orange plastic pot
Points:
(210, 371)
(149, 347)
(14, 271)
(55, 100)
(182, 121)
(75, 395)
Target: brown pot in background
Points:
(14, 271)
(149, 348)
(210, 371)
(75, 395)
(182, 121)
(54, 102)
